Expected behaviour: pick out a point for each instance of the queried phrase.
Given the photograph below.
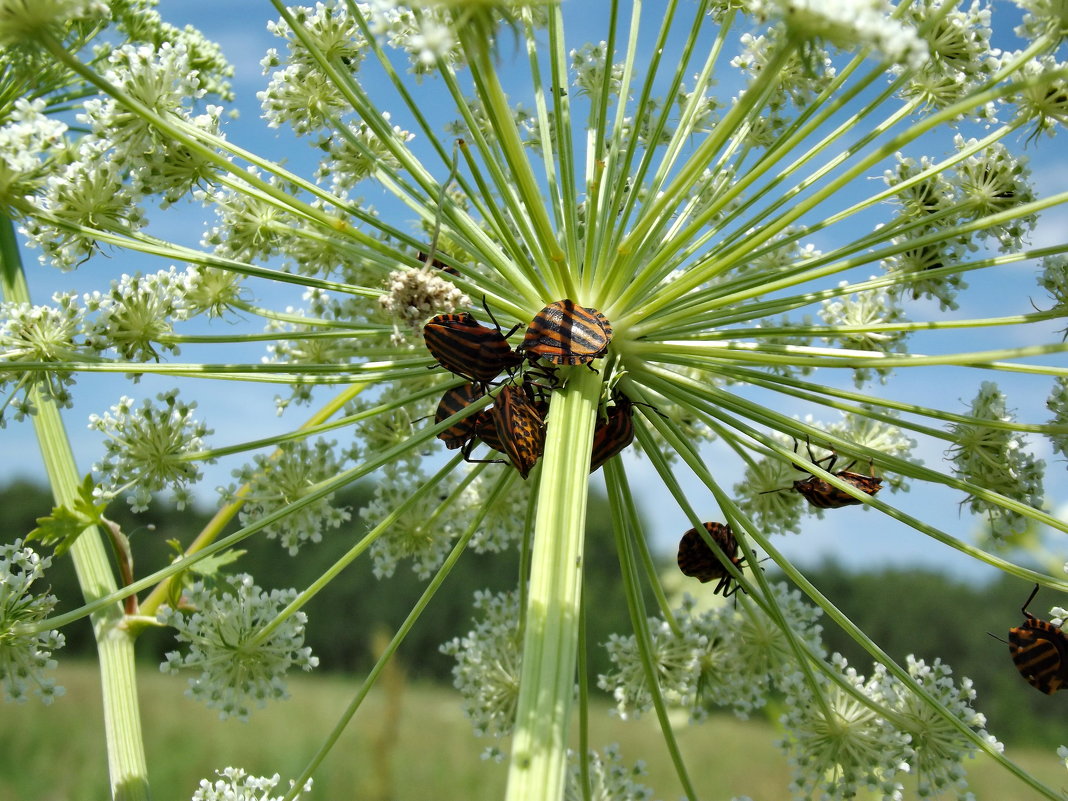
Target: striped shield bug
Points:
(612, 435)
(464, 346)
(566, 333)
(433, 261)
(824, 495)
(519, 428)
(698, 560)
(455, 400)
(1040, 651)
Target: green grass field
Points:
(57, 754)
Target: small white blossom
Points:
(488, 663)
(610, 780)
(839, 745)
(418, 533)
(24, 19)
(40, 334)
(849, 24)
(30, 142)
(24, 657)
(1057, 403)
(234, 670)
(995, 180)
(234, 784)
(872, 308)
(137, 314)
(1054, 279)
(589, 63)
(676, 656)
(937, 747)
(994, 458)
(358, 152)
(415, 295)
(274, 481)
(150, 448)
(90, 193)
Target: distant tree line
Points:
(905, 610)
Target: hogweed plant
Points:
(697, 181)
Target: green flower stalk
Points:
(695, 179)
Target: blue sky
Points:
(856, 536)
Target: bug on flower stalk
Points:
(513, 426)
(613, 434)
(434, 261)
(462, 345)
(824, 495)
(519, 427)
(455, 400)
(566, 333)
(696, 559)
(1040, 651)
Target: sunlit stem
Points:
(122, 718)
(547, 681)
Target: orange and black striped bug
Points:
(520, 428)
(456, 400)
(697, 559)
(566, 333)
(1040, 651)
(824, 495)
(434, 261)
(462, 345)
(513, 426)
(613, 434)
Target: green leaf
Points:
(61, 528)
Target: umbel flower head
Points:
(528, 247)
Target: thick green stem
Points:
(115, 645)
(550, 642)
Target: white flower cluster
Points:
(488, 662)
(222, 632)
(22, 19)
(359, 150)
(861, 310)
(28, 142)
(150, 448)
(847, 24)
(272, 482)
(417, 532)
(414, 295)
(1057, 403)
(40, 334)
(960, 56)
(610, 779)
(589, 64)
(842, 732)
(24, 657)
(300, 93)
(137, 314)
(234, 784)
(995, 458)
(163, 80)
(721, 657)
(858, 733)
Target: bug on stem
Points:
(1040, 651)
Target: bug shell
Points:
(455, 400)
(696, 559)
(520, 429)
(824, 495)
(612, 435)
(566, 333)
(462, 345)
(1040, 652)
